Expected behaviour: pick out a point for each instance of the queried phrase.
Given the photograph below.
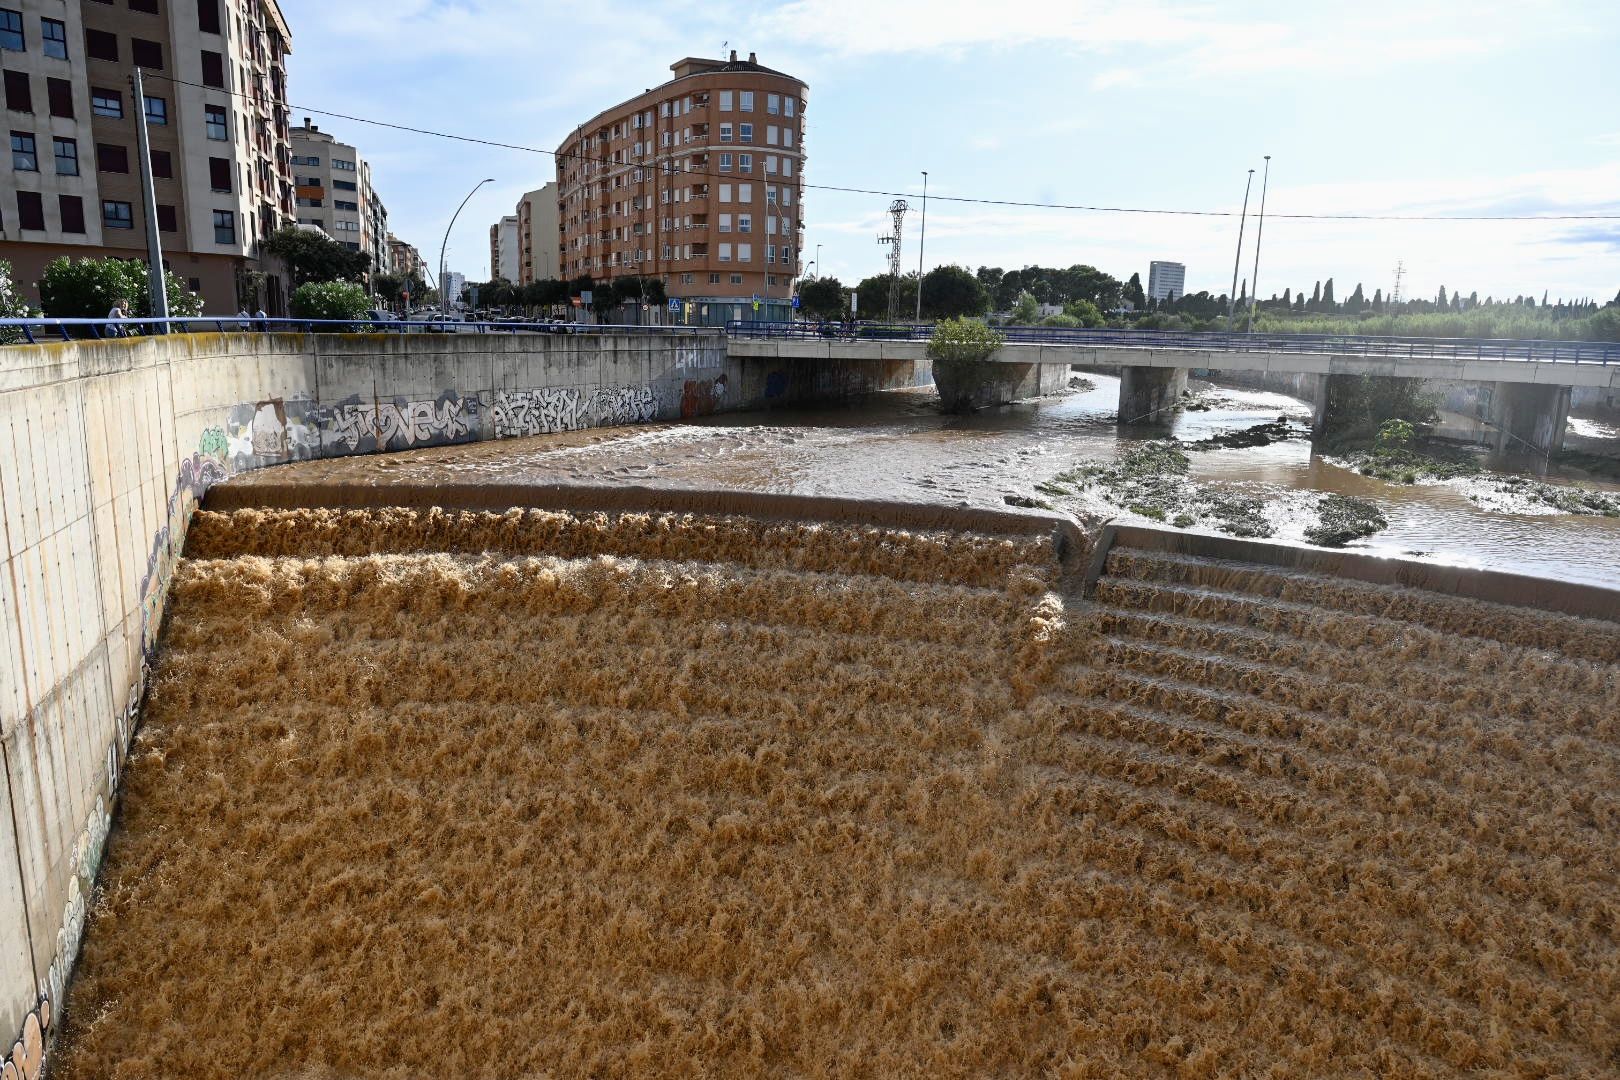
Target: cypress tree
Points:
(1441, 302)
(1327, 295)
(1316, 297)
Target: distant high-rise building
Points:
(334, 192)
(1166, 280)
(504, 254)
(539, 233)
(215, 113)
(450, 286)
(696, 182)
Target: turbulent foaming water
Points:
(495, 796)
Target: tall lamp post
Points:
(1259, 233)
(444, 301)
(922, 239)
(1231, 302)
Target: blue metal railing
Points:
(1579, 352)
(38, 331)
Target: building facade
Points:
(504, 254)
(405, 259)
(539, 235)
(332, 185)
(1166, 280)
(216, 115)
(697, 182)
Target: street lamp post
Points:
(444, 301)
(922, 239)
(1231, 302)
(1259, 233)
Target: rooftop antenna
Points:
(897, 210)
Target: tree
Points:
(1137, 298)
(1378, 300)
(873, 294)
(1026, 309)
(1316, 297)
(1356, 301)
(1441, 300)
(1288, 298)
(1081, 282)
(341, 300)
(311, 255)
(1327, 295)
(950, 291)
(1084, 312)
(960, 350)
(822, 298)
(12, 306)
(88, 288)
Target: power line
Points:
(963, 199)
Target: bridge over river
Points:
(1530, 381)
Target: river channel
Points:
(898, 446)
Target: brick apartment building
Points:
(539, 236)
(698, 182)
(216, 114)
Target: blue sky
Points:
(1374, 107)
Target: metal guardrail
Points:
(1528, 350)
(39, 331)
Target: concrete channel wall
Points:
(105, 449)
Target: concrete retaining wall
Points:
(105, 448)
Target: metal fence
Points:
(1580, 352)
(39, 331)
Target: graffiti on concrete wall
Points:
(27, 1057)
(270, 432)
(198, 472)
(516, 413)
(358, 426)
(623, 405)
(700, 397)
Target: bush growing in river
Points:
(960, 351)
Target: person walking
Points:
(120, 311)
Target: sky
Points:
(1384, 107)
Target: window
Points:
(208, 16)
(714, 279)
(773, 103)
(71, 209)
(745, 163)
(770, 255)
(60, 93)
(148, 6)
(736, 279)
(116, 215)
(686, 279)
(745, 193)
(67, 157)
(663, 108)
(787, 106)
(168, 220)
(725, 252)
(30, 210)
(157, 110)
(787, 196)
(787, 136)
(107, 103)
(100, 45)
(770, 279)
(344, 185)
(19, 97)
(348, 226)
(111, 158)
(770, 196)
(787, 166)
(53, 35)
(725, 95)
(725, 222)
(214, 118)
(224, 227)
(725, 192)
(770, 134)
(162, 165)
(725, 162)
(745, 100)
(22, 152)
(219, 173)
(745, 132)
(146, 54)
(770, 164)
(342, 166)
(213, 69)
(11, 34)
(745, 223)
(725, 132)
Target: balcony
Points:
(700, 251)
(700, 191)
(699, 221)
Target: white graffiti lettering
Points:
(394, 426)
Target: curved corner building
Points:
(696, 182)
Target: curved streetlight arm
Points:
(444, 303)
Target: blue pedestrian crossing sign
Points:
(795, 303)
(674, 304)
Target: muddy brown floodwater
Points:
(898, 446)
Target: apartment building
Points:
(698, 182)
(504, 256)
(1166, 280)
(404, 259)
(216, 115)
(539, 233)
(332, 186)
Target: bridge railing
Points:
(39, 331)
(1540, 351)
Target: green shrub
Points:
(337, 300)
(12, 306)
(1084, 312)
(1064, 321)
(88, 288)
(960, 350)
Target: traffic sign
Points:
(674, 304)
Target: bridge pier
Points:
(1528, 418)
(1146, 393)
